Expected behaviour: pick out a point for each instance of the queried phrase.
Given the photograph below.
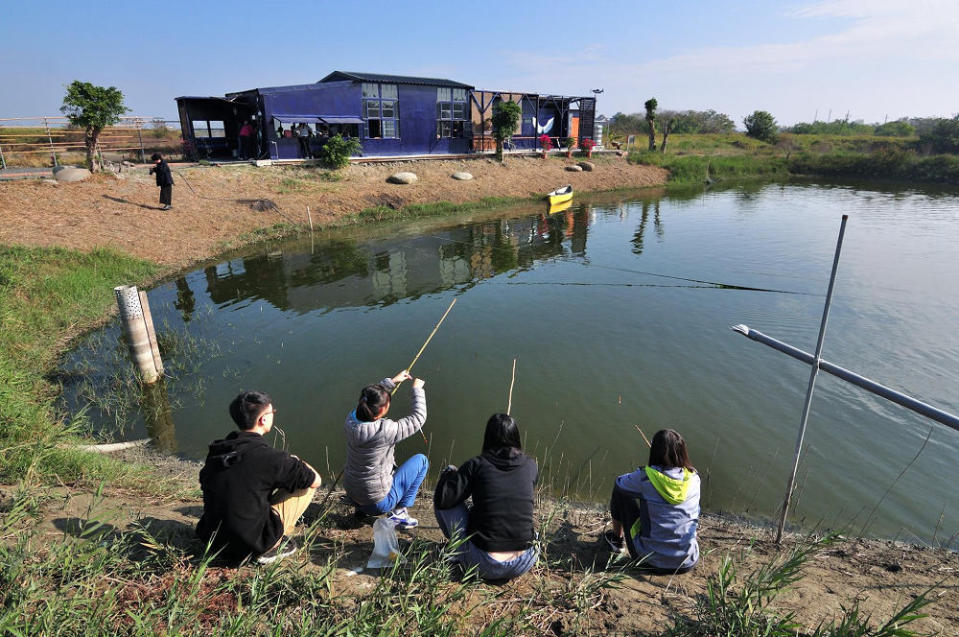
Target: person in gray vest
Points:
(655, 509)
(371, 438)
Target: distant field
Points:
(32, 146)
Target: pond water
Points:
(618, 313)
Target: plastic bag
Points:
(386, 548)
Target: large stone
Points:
(574, 169)
(462, 176)
(403, 178)
(586, 165)
(71, 174)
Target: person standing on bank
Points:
(499, 524)
(655, 509)
(164, 180)
(371, 439)
(303, 134)
(253, 494)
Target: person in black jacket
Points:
(499, 525)
(164, 180)
(253, 494)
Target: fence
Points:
(35, 141)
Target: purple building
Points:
(391, 115)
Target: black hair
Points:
(156, 156)
(372, 400)
(668, 450)
(247, 408)
(501, 431)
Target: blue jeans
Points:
(453, 523)
(406, 484)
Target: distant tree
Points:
(506, 116)
(92, 108)
(898, 128)
(650, 106)
(666, 131)
(944, 136)
(762, 126)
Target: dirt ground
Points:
(881, 576)
(212, 204)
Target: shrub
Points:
(337, 150)
(899, 128)
(944, 136)
(762, 126)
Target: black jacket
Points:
(501, 483)
(164, 176)
(240, 473)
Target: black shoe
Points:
(616, 544)
(285, 548)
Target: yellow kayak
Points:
(560, 195)
(560, 207)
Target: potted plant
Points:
(570, 144)
(587, 145)
(545, 143)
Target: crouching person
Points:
(499, 525)
(655, 509)
(253, 494)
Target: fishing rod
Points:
(419, 353)
(509, 402)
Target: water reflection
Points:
(345, 273)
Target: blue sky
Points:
(871, 58)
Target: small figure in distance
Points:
(371, 439)
(246, 140)
(253, 494)
(164, 180)
(655, 509)
(303, 134)
(499, 525)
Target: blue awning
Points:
(317, 119)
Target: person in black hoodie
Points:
(499, 525)
(253, 494)
(164, 180)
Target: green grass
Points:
(48, 295)
(735, 157)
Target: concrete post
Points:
(131, 315)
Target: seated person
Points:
(499, 524)
(655, 509)
(371, 438)
(253, 494)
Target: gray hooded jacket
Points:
(368, 476)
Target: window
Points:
(204, 128)
(451, 112)
(381, 110)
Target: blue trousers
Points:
(406, 484)
(453, 523)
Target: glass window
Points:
(443, 129)
(389, 128)
(459, 110)
(201, 128)
(389, 91)
(371, 90)
(372, 108)
(381, 110)
(389, 109)
(217, 129)
(459, 94)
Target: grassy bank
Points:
(46, 297)
(695, 159)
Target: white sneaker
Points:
(401, 518)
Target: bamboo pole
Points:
(509, 403)
(645, 439)
(812, 382)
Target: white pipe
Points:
(131, 315)
(114, 446)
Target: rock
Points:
(574, 169)
(70, 174)
(586, 165)
(51, 182)
(462, 176)
(403, 178)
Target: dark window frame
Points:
(377, 124)
(449, 125)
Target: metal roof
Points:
(392, 79)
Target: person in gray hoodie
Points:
(371, 438)
(655, 509)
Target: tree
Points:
(666, 131)
(944, 136)
(92, 108)
(762, 126)
(651, 105)
(505, 118)
(337, 150)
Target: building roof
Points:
(392, 79)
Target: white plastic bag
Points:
(386, 548)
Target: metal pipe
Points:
(812, 382)
(151, 332)
(869, 385)
(131, 315)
